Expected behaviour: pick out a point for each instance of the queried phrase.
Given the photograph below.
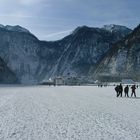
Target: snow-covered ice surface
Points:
(67, 113)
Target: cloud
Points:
(59, 33)
(29, 2)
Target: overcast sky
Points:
(53, 19)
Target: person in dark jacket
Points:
(126, 90)
(120, 90)
(133, 91)
(117, 90)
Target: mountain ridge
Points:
(77, 54)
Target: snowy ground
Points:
(67, 113)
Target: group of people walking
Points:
(119, 90)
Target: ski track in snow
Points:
(67, 113)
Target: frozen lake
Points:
(67, 113)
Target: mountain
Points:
(80, 51)
(6, 75)
(122, 60)
(77, 54)
(18, 49)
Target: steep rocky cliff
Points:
(122, 60)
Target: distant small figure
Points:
(137, 86)
(117, 90)
(126, 90)
(133, 90)
(120, 90)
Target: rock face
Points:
(19, 50)
(78, 54)
(6, 75)
(122, 60)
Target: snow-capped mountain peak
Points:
(15, 28)
(113, 27)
